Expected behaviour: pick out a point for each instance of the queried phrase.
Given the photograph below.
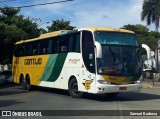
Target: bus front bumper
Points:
(105, 88)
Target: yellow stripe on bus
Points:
(115, 79)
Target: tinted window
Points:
(74, 42)
(43, 47)
(59, 44)
(69, 43)
(116, 38)
(88, 51)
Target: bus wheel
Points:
(22, 83)
(73, 89)
(111, 94)
(27, 82)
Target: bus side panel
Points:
(88, 80)
(36, 70)
(32, 65)
(54, 70)
(74, 66)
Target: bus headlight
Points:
(100, 70)
(103, 82)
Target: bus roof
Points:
(108, 29)
(61, 32)
(43, 36)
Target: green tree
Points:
(60, 25)
(151, 12)
(144, 36)
(14, 27)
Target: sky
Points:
(83, 13)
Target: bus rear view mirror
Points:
(98, 49)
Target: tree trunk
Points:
(156, 28)
(157, 24)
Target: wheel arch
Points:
(28, 80)
(71, 77)
(20, 77)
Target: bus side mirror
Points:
(98, 49)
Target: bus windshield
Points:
(116, 38)
(120, 54)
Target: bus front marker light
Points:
(137, 82)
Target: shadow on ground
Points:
(7, 85)
(5, 103)
(11, 89)
(123, 97)
(103, 97)
(51, 90)
(11, 92)
(97, 97)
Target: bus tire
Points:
(73, 89)
(22, 82)
(27, 82)
(111, 94)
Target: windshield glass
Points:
(120, 54)
(116, 38)
(119, 60)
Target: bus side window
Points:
(35, 48)
(21, 50)
(77, 42)
(71, 43)
(49, 46)
(44, 46)
(27, 49)
(35, 52)
(74, 42)
(53, 45)
(45, 50)
(64, 48)
(63, 44)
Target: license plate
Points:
(122, 88)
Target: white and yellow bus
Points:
(92, 60)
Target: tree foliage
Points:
(60, 25)
(14, 27)
(144, 36)
(151, 12)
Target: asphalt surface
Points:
(14, 98)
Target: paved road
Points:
(14, 98)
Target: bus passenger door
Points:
(88, 55)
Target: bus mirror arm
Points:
(98, 49)
(140, 46)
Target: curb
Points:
(148, 85)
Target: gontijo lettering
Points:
(33, 61)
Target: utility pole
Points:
(157, 63)
(152, 72)
(152, 69)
